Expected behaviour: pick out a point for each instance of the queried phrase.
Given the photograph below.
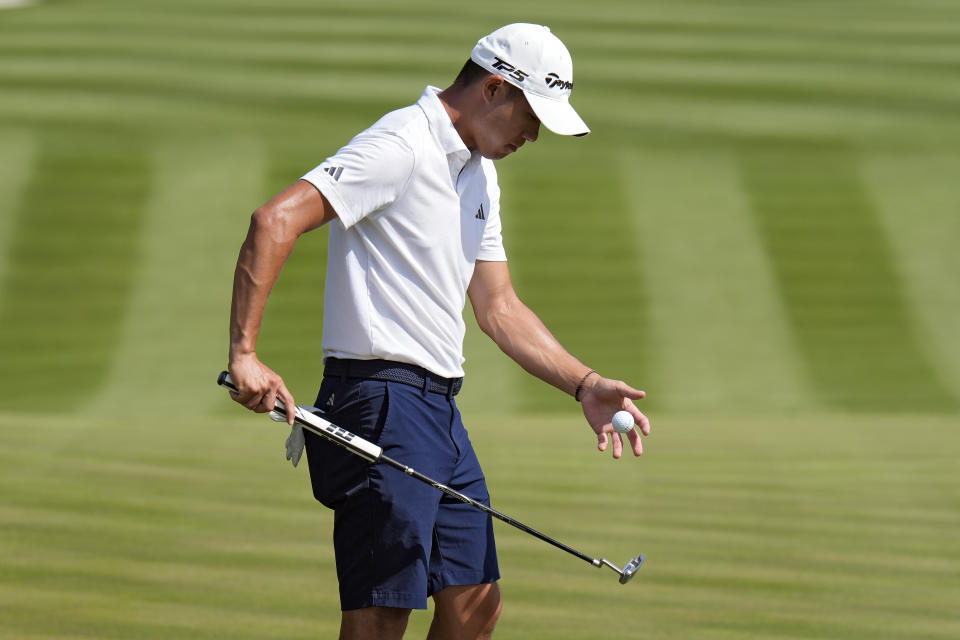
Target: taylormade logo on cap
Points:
(531, 58)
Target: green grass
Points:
(787, 528)
(761, 232)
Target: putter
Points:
(308, 418)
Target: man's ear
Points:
(492, 85)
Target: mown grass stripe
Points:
(633, 39)
(718, 322)
(96, 614)
(683, 44)
(398, 24)
(839, 280)
(338, 43)
(924, 20)
(99, 55)
(826, 81)
(70, 269)
(16, 167)
(201, 193)
(802, 77)
(918, 200)
(130, 74)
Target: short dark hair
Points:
(472, 72)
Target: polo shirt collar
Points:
(441, 126)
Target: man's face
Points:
(506, 124)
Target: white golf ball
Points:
(623, 421)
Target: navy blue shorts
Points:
(398, 540)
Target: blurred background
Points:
(761, 232)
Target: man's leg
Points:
(465, 612)
(383, 623)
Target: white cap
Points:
(534, 60)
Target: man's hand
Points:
(259, 386)
(601, 398)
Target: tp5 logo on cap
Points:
(531, 58)
(516, 74)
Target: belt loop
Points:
(450, 385)
(426, 382)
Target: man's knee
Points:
(492, 607)
(373, 622)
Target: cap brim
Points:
(557, 115)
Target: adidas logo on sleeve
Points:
(334, 172)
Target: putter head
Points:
(631, 568)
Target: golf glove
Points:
(295, 444)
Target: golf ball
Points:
(623, 421)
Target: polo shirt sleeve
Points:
(368, 174)
(491, 246)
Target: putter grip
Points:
(323, 428)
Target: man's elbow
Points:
(485, 324)
(496, 317)
(271, 223)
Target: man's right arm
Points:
(274, 229)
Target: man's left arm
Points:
(521, 335)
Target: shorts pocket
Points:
(359, 406)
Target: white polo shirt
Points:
(415, 210)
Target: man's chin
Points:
(499, 154)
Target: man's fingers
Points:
(644, 423)
(268, 402)
(604, 438)
(250, 399)
(636, 442)
(288, 402)
(641, 421)
(617, 445)
(629, 392)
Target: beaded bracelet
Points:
(576, 394)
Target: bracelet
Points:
(576, 394)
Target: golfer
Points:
(414, 212)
